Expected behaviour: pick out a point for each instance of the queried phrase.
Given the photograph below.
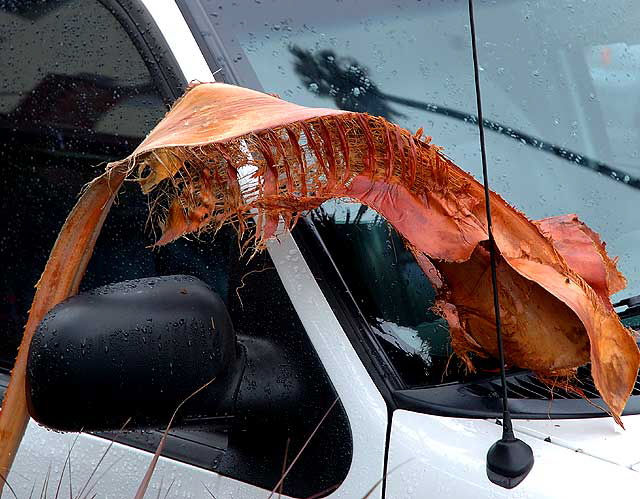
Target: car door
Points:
(82, 83)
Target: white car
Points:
(338, 310)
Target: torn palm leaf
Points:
(555, 277)
(226, 154)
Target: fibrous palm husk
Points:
(554, 276)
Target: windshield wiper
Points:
(630, 301)
(633, 306)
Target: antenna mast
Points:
(509, 460)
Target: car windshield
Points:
(561, 95)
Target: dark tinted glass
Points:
(392, 293)
(74, 94)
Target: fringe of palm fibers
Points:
(569, 383)
(297, 167)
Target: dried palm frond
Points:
(554, 292)
(225, 154)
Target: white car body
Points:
(428, 456)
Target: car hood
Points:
(601, 438)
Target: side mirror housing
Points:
(132, 349)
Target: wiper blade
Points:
(633, 307)
(630, 301)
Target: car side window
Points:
(391, 291)
(75, 93)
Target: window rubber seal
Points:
(151, 45)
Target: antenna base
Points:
(509, 461)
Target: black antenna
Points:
(509, 460)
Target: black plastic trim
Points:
(151, 45)
(630, 312)
(456, 400)
(203, 449)
(212, 61)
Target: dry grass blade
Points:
(45, 484)
(160, 488)
(168, 489)
(208, 490)
(4, 481)
(104, 473)
(104, 454)
(67, 462)
(302, 449)
(284, 465)
(70, 479)
(152, 466)
(375, 485)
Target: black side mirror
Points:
(132, 349)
